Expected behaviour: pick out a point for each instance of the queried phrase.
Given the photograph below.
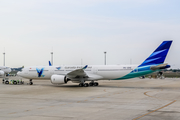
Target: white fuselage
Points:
(95, 71)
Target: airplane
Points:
(4, 71)
(81, 74)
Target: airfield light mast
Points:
(105, 58)
(4, 58)
(51, 58)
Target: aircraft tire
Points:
(96, 84)
(86, 84)
(14, 82)
(31, 83)
(7, 82)
(81, 84)
(90, 84)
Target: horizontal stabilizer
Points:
(162, 66)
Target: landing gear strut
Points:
(160, 75)
(30, 82)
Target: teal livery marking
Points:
(135, 74)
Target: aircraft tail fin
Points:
(50, 63)
(159, 55)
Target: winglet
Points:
(50, 63)
(85, 67)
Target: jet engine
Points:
(58, 79)
(1, 73)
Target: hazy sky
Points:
(84, 29)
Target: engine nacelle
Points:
(1, 73)
(58, 79)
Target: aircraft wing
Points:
(78, 73)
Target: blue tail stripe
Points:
(155, 62)
(161, 56)
(151, 60)
(164, 45)
(157, 54)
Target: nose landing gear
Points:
(30, 82)
(160, 75)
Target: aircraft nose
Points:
(18, 73)
(9, 70)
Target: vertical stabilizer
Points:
(159, 55)
(50, 63)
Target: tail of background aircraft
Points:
(159, 55)
(50, 63)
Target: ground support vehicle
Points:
(14, 82)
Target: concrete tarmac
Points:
(133, 99)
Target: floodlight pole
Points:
(105, 58)
(4, 58)
(51, 58)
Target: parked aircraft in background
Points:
(81, 74)
(4, 71)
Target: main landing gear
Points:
(30, 82)
(160, 75)
(90, 84)
(83, 84)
